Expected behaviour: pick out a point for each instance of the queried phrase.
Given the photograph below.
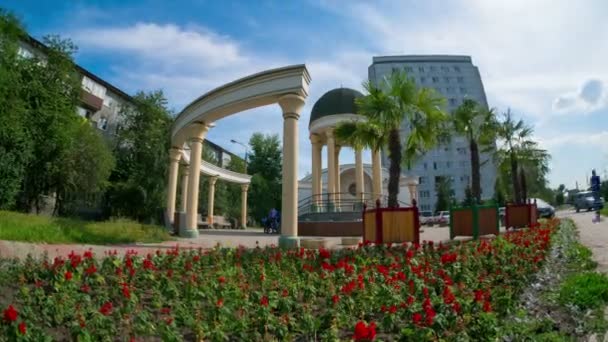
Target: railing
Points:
(345, 202)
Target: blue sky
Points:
(546, 60)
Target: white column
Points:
(338, 188)
(175, 154)
(291, 106)
(197, 136)
(316, 169)
(211, 200)
(377, 174)
(244, 188)
(182, 204)
(359, 180)
(331, 163)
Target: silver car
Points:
(588, 200)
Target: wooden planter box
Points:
(521, 215)
(474, 221)
(391, 225)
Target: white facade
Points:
(456, 78)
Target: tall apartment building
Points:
(101, 102)
(456, 78)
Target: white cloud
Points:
(590, 97)
(169, 44)
(591, 140)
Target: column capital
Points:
(329, 133)
(212, 180)
(291, 105)
(244, 187)
(175, 153)
(315, 139)
(198, 131)
(185, 170)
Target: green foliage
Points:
(469, 200)
(32, 228)
(142, 158)
(265, 164)
(445, 194)
(386, 107)
(478, 126)
(585, 290)
(580, 256)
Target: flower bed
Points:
(418, 291)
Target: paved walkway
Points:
(592, 235)
(207, 239)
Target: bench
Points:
(219, 222)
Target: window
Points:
(452, 102)
(433, 68)
(445, 68)
(434, 165)
(460, 79)
(425, 166)
(463, 90)
(456, 68)
(461, 150)
(394, 70)
(421, 69)
(422, 79)
(448, 164)
(446, 149)
(449, 90)
(447, 79)
(422, 180)
(102, 124)
(435, 79)
(425, 194)
(464, 179)
(409, 69)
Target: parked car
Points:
(543, 209)
(426, 217)
(588, 200)
(443, 218)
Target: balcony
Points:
(91, 101)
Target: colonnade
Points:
(333, 171)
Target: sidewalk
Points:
(593, 235)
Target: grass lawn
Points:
(604, 211)
(33, 228)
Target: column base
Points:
(289, 241)
(188, 233)
(331, 207)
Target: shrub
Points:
(586, 290)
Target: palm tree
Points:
(385, 108)
(520, 152)
(477, 125)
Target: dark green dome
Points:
(336, 101)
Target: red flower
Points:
(487, 306)
(149, 265)
(106, 309)
(430, 316)
(456, 307)
(324, 253)
(264, 301)
(38, 284)
(85, 288)
(22, 328)
(417, 318)
(478, 295)
(365, 332)
(285, 293)
(125, 291)
(68, 275)
(165, 311)
(221, 279)
(88, 255)
(335, 299)
(219, 303)
(91, 270)
(392, 309)
(10, 314)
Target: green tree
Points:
(559, 194)
(477, 125)
(15, 144)
(142, 158)
(386, 107)
(523, 156)
(468, 197)
(265, 165)
(445, 193)
(86, 166)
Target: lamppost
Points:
(246, 150)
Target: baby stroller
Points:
(272, 223)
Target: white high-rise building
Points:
(456, 78)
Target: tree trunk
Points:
(475, 172)
(515, 180)
(524, 187)
(394, 146)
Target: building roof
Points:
(335, 101)
(422, 58)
